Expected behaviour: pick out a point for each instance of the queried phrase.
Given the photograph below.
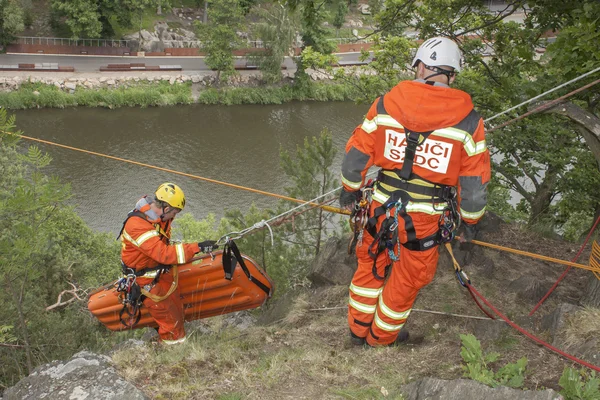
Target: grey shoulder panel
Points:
(354, 163)
(469, 123)
(473, 193)
(380, 107)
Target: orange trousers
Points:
(378, 309)
(168, 314)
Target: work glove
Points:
(208, 246)
(348, 199)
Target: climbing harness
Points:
(130, 295)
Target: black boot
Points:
(356, 340)
(401, 339)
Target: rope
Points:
(538, 256)
(171, 171)
(543, 94)
(412, 310)
(531, 336)
(542, 107)
(474, 293)
(263, 223)
(464, 279)
(569, 267)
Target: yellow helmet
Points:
(171, 194)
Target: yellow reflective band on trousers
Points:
(385, 326)
(388, 312)
(365, 292)
(364, 308)
(175, 341)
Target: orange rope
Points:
(279, 196)
(595, 269)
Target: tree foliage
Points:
(277, 31)
(219, 36)
(542, 158)
(11, 20)
(91, 18)
(310, 171)
(45, 248)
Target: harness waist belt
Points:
(436, 193)
(146, 272)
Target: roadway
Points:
(93, 63)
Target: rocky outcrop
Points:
(333, 266)
(162, 37)
(439, 389)
(85, 376)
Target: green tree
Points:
(83, 16)
(219, 38)
(544, 158)
(312, 174)
(313, 14)
(277, 31)
(45, 249)
(11, 20)
(340, 16)
(91, 18)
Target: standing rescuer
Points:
(429, 143)
(148, 253)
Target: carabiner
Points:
(462, 277)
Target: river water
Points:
(235, 144)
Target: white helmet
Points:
(437, 52)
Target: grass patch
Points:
(140, 94)
(582, 327)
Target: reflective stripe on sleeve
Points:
(472, 215)
(364, 308)
(365, 292)
(180, 253)
(353, 185)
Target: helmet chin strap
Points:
(438, 71)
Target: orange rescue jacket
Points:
(146, 244)
(454, 154)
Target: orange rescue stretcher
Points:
(210, 285)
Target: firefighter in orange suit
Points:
(435, 167)
(148, 252)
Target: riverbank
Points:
(23, 90)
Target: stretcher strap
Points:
(231, 253)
